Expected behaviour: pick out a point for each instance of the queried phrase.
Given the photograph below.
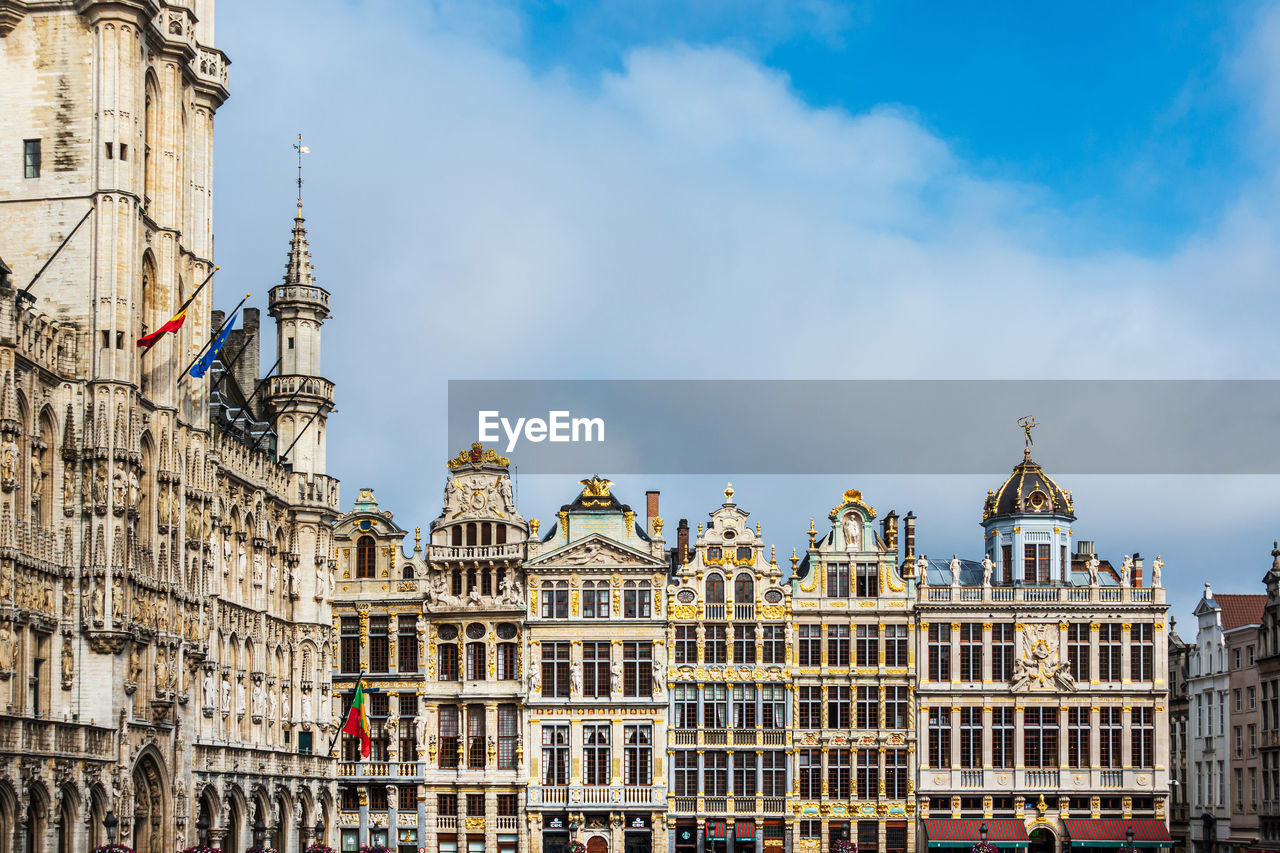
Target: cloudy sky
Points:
(771, 189)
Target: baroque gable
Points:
(597, 551)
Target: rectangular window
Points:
(744, 774)
(895, 774)
(636, 601)
(595, 668)
(971, 651)
(448, 662)
(31, 158)
(971, 737)
(1239, 733)
(476, 654)
(686, 770)
(809, 640)
(555, 600)
(378, 644)
(773, 772)
(408, 794)
(1078, 651)
(1035, 564)
(555, 754)
(1142, 652)
(1040, 737)
(508, 734)
(868, 774)
(1006, 564)
(810, 766)
(839, 774)
(508, 804)
(744, 708)
(507, 661)
(475, 805)
(810, 707)
(1109, 644)
(685, 697)
(868, 836)
(715, 706)
(714, 643)
(1109, 733)
(555, 670)
(407, 645)
(895, 706)
(866, 583)
(637, 669)
(448, 717)
(895, 645)
(1002, 737)
(407, 710)
(773, 706)
(868, 642)
(595, 754)
(838, 711)
(715, 773)
(475, 737)
(774, 646)
(1079, 737)
(1002, 651)
(837, 580)
(686, 644)
(350, 631)
(838, 645)
(1142, 737)
(868, 707)
(744, 644)
(447, 804)
(595, 600)
(939, 736)
(939, 652)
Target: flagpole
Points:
(26, 291)
(359, 679)
(258, 387)
(213, 337)
(190, 299)
(293, 397)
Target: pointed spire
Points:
(297, 269)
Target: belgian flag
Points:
(174, 324)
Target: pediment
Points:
(598, 551)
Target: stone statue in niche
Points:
(852, 532)
(8, 465)
(210, 691)
(135, 490)
(119, 486)
(37, 480)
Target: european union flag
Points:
(201, 367)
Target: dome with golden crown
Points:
(1028, 491)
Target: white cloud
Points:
(687, 215)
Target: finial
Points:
(1275, 554)
(699, 529)
(773, 556)
(759, 530)
(728, 493)
(813, 531)
(794, 560)
(301, 149)
(417, 538)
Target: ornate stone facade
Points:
(163, 582)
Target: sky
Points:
(763, 189)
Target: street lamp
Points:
(202, 828)
(259, 829)
(319, 839)
(109, 822)
(982, 833)
(1128, 839)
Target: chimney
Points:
(650, 510)
(909, 545)
(890, 530)
(1208, 592)
(1137, 569)
(1084, 547)
(682, 542)
(246, 367)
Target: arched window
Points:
(486, 534)
(366, 557)
(715, 589)
(502, 534)
(744, 589)
(407, 571)
(471, 533)
(456, 536)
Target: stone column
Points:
(393, 808)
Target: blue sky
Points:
(770, 189)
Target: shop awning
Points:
(1111, 833)
(716, 829)
(744, 829)
(949, 832)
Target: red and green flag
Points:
(358, 720)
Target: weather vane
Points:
(1028, 423)
(301, 149)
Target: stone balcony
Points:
(1043, 593)
(1066, 780)
(23, 735)
(646, 796)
